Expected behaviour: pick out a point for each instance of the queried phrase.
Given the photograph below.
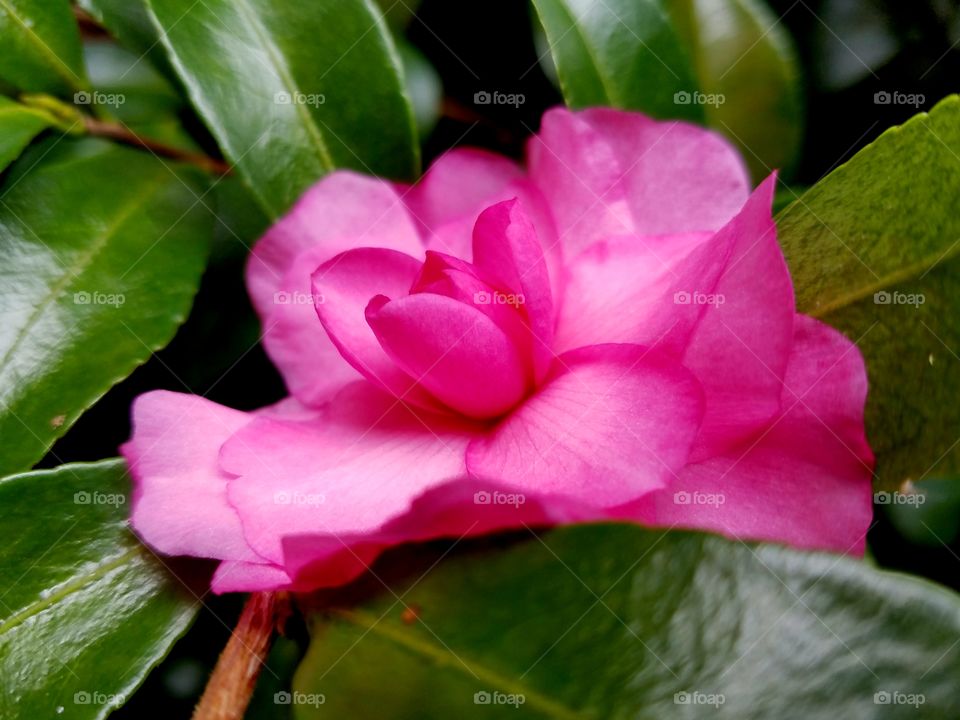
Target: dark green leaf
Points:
(747, 69)
(292, 90)
(18, 126)
(621, 53)
(101, 251)
(866, 246)
(615, 621)
(41, 46)
(85, 609)
(129, 23)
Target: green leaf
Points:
(101, 252)
(292, 91)
(747, 69)
(129, 23)
(18, 126)
(41, 46)
(621, 53)
(85, 610)
(887, 222)
(612, 621)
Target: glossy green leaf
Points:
(621, 53)
(101, 252)
(129, 23)
(85, 609)
(293, 90)
(746, 66)
(40, 46)
(873, 251)
(18, 126)
(614, 622)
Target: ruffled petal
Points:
(607, 172)
(180, 502)
(615, 422)
(342, 211)
(806, 479)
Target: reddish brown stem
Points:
(231, 684)
(120, 133)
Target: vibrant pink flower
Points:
(609, 334)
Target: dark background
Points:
(848, 50)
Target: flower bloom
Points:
(608, 334)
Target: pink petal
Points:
(346, 474)
(740, 347)
(615, 422)
(607, 172)
(180, 494)
(347, 283)
(806, 480)
(342, 211)
(506, 246)
(453, 350)
(624, 290)
(232, 576)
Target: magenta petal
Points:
(453, 350)
(232, 576)
(606, 172)
(346, 474)
(344, 287)
(180, 494)
(615, 422)
(806, 480)
(505, 245)
(342, 211)
(742, 342)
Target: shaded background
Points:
(848, 50)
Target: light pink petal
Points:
(806, 480)
(342, 211)
(606, 172)
(232, 576)
(505, 245)
(346, 284)
(180, 494)
(631, 289)
(740, 347)
(456, 352)
(614, 423)
(346, 474)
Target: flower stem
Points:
(121, 133)
(231, 684)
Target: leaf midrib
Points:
(68, 588)
(276, 57)
(60, 67)
(424, 648)
(80, 266)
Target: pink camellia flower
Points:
(608, 334)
